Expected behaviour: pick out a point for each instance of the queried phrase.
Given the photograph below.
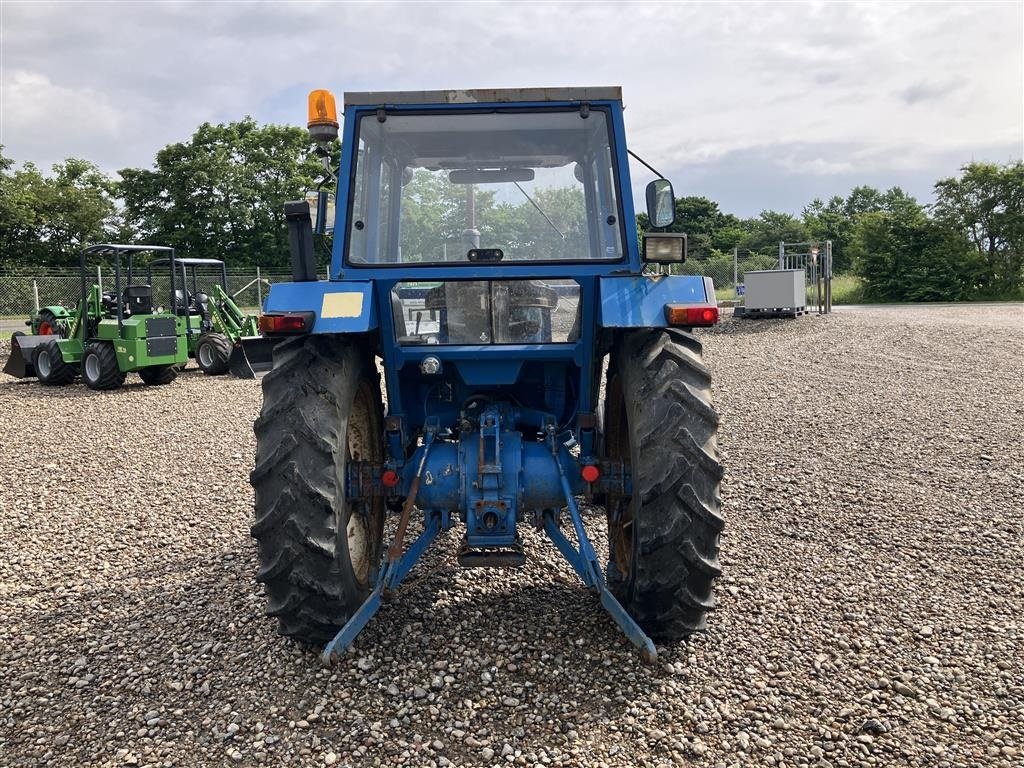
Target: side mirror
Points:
(661, 203)
(665, 247)
(321, 210)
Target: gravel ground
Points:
(870, 612)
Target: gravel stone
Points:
(873, 492)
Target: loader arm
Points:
(229, 318)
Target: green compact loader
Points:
(111, 334)
(220, 336)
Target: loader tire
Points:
(663, 540)
(99, 366)
(158, 375)
(50, 367)
(319, 555)
(213, 351)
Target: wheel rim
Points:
(617, 442)
(358, 546)
(43, 363)
(205, 356)
(92, 367)
(360, 445)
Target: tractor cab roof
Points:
(482, 96)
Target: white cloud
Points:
(39, 116)
(813, 91)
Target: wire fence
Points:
(21, 294)
(728, 270)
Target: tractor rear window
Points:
(486, 312)
(496, 187)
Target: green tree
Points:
(901, 255)
(986, 205)
(222, 193)
(45, 221)
(771, 228)
(830, 221)
(707, 228)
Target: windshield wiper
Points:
(549, 221)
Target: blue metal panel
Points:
(625, 190)
(348, 153)
(340, 307)
(631, 301)
(490, 373)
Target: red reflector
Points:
(590, 473)
(389, 478)
(282, 323)
(676, 315)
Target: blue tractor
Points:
(534, 353)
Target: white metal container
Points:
(775, 289)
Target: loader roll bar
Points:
(116, 251)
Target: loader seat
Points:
(138, 300)
(182, 302)
(109, 302)
(201, 302)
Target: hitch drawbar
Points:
(497, 455)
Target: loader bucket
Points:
(23, 348)
(251, 356)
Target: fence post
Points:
(35, 295)
(99, 278)
(735, 269)
(259, 289)
(782, 255)
(828, 276)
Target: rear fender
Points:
(638, 301)
(339, 307)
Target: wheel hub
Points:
(43, 363)
(92, 368)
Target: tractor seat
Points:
(138, 299)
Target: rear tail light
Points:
(287, 322)
(681, 315)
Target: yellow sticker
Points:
(348, 304)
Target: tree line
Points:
(221, 195)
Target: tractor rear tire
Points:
(213, 351)
(50, 366)
(49, 325)
(319, 555)
(663, 540)
(158, 375)
(99, 366)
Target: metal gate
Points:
(815, 258)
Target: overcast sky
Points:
(754, 105)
